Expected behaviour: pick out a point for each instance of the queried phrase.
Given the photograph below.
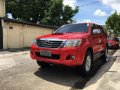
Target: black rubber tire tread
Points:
(43, 64)
(82, 68)
(104, 57)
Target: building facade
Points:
(2, 8)
(18, 34)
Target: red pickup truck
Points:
(71, 45)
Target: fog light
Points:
(73, 57)
(70, 57)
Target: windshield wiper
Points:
(58, 33)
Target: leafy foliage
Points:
(48, 12)
(113, 23)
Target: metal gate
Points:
(1, 35)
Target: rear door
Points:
(96, 40)
(104, 38)
(101, 39)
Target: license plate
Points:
(45, 53)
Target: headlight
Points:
(34, 41)
(72, 43)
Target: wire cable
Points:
(88, 3)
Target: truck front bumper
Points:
(64, 56)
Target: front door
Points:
(1, 35)
(96, 40)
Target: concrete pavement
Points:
(110, 80)
(17, 69)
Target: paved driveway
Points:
(19, 72)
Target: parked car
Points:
(113, 43)
(119, 40)
(71, 45)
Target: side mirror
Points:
(96, 31)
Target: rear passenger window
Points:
(94, 26)
(103, 31)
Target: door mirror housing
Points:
(96, 31)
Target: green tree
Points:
(27, 10)
(48, 12)
(113, 24)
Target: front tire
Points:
(43, 64)
(85, 69)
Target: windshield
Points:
(73, 28)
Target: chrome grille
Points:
(46, 43)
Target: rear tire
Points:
(43, 64)
(105, 55)
(85, 69)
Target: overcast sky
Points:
(94, 10)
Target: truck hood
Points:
(65, 36)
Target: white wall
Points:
(21, 35)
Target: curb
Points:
(17, 53)
(116, 53)
(97, 83)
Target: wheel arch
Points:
(90, 50)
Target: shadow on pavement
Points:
(10, 51)
(113, 48)
(69, 76)
(98, 71)
(60, 75)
